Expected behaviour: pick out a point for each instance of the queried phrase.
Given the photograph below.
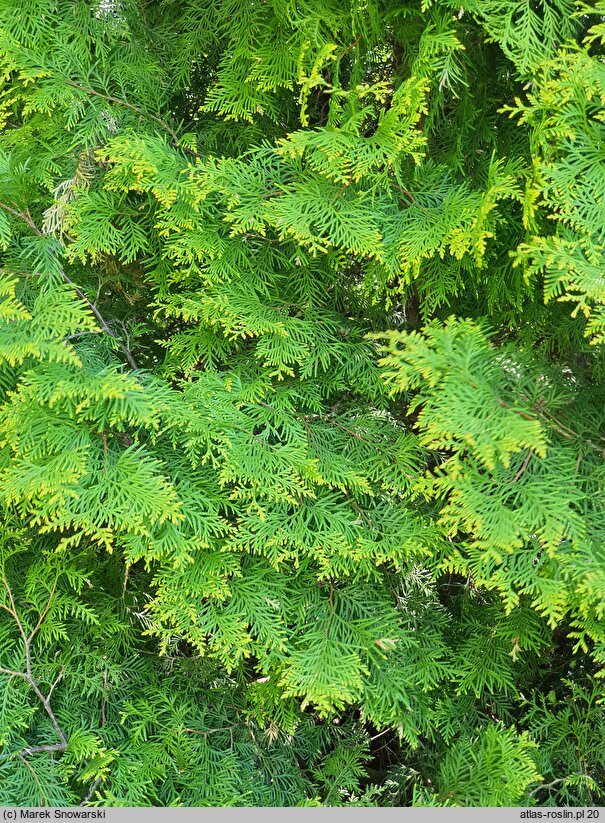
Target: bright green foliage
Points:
(301, 403)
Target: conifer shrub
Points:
(302, 323)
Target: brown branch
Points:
(25, 274)
(348, 48)
(407, 193)
(511, 408)
(360, 511)
(524, 466)
(348, 431)
(308, 429)
(206, 732)
(161, 123)
(36, 778)
(51, 747)
(547, 786)
(12, 673)
(26, 218)
(13, 610)
(559, 427)
(44, 612)
(28, 676)
(93, 789)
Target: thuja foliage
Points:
(301, 402)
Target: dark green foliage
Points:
(301, 403)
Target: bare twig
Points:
(55, 682)
(126, 575)
(26, 218)
(559, 427)
(80, 334)
(524, 415)
(161, 123)
(104, 699)
(345, 429)
(348, 48)
(308, 429)
(524, 466)
(360, 511)
(27, 675)
(550, 785)
(11, 673)
(44, 611)
(206, 732)
(407, 193)
(51, 747)
(578, 461)
(25, 274)
(93, 789)
(13, 611)
(36, 778)
(380, 734)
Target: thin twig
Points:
(559, 427)
(126, 575)
(13, 610)
(407, 193)
(80, 334)
(45, 702)
(505, 405)
(28, 676)
(206, 732)
(162, 123)
(360, 511)
(93, 789)
(51, 747)
(547, 786)
(25, 274)
(578, 461)
(380, 734)
(524, 466)
(308, 429)
(55, 682)
(12, 673)
(348, 48)
(36, 778)
(26, 218)
(345, 429)
(104, 699)
(44, 612)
